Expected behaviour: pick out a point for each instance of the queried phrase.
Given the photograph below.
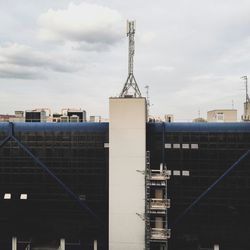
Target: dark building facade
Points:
(80, 114)
(35, 116)
(63, 171)
(209, 194)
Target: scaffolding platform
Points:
(159, 234)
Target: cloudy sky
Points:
(73, 53)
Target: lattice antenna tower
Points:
(131, 82)
(246, 84)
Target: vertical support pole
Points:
(216, 247)
(95, 244)
(62, 244)
(164, 169)
(14, 243)
(161, 167)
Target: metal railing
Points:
(160, 234)
(159, 203)
(159, 175)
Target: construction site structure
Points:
(157, 204)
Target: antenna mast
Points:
(147, 93)
(131, 82)
(246, 113)
(246, 82)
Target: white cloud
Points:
(84, 23)
(16, 71)
(21, 61)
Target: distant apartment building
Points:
(74, 118)
(6, 118)
(222, 115)
(95, 118)
(18, 117)
(45, 115)
(199, 119)
(35, 116)
(19, 114)
(70, 115)
(56, 117)
(73, 114)
(169, 118)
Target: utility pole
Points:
(131, 82)
(147, 95)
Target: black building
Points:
(63, 171)
(35, 116)
(210, 201)
(80, 114)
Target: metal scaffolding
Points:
(156, 208)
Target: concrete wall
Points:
(127, 153)
(229, 115)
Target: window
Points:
(185, 173)
(168, 145)
(185, 146)
(82, 197)
(168, 172)
(176, 145)
(23, 197)
(176, 172)
(220, 117)
(194, 146)
(7, 196)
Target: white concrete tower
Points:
(127, 161)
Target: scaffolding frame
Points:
(156, 206)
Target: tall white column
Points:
(62, 244)
(216, 247)
(14, 243)
(95, 244)
(127, 160)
